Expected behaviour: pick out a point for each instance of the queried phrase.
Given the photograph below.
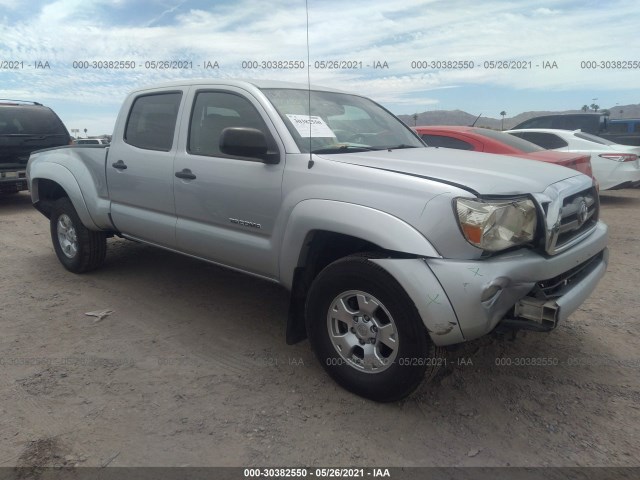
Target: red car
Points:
(491, 141)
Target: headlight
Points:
(496, 224)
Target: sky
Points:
(410, 56)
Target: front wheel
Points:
(78, 248)
(366, 331)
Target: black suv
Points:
(594, 123)
(24, 128)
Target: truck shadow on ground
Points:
(197, 286)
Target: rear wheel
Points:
(78, 248)
(366, 331)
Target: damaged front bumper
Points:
(461, 300)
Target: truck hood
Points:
(480, 173)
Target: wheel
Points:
(366, 331)
(78, 248)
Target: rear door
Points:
(227, 205)
(140, 167)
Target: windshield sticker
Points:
(310, 126)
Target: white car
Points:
(614, 166)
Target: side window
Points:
(545, 140)
(215, 111)
(446, 142)
(152, 121)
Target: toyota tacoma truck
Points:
(390, 250)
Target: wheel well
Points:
(48, 192)
(322, 248)
(319, 250)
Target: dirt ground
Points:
(191, 368)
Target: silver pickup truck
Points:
(390, 249)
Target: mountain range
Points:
(459, 117)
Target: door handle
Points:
(120, 165)
(186, 174)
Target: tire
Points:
(366, 331)
(78, 248)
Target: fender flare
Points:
(62, 176)
(390, 232)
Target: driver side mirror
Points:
(247, 142)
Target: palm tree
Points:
(585, 108)
(415, 119)
(503, 113)
(595, 107)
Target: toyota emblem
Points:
(583, 213)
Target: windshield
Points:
(339, 123)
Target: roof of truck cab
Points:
(237, 83)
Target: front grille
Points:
(553, 287)
(579, 214)
(570, 218)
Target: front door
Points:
(227, 205)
